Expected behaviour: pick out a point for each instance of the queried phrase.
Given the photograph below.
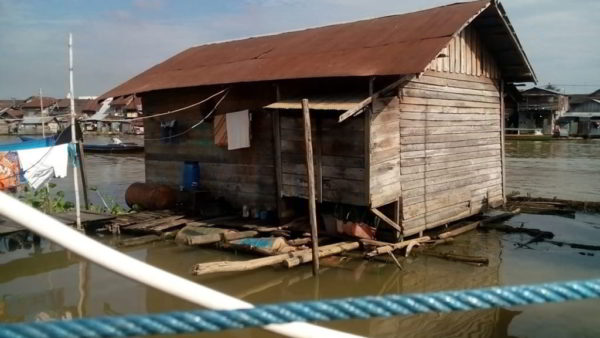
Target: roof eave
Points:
(511, 31)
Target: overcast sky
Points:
(117, 39)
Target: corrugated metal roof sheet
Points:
(35, 102)
(344, 103)
(397, 44)
(391, 45)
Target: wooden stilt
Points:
(312, 205)
(82, 172)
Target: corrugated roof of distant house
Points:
(10, 103)
(11, 112)
(575, 99)
(34, 102)
(134, 104)
(90, 105)
(122, 101)
(391, 45)
(533, 91)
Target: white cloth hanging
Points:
(238, 130)
(40, 164)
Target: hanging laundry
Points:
(220, 130)
(41, 164)
(9, 170)
(238, 130)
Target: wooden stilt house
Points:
(406, 110)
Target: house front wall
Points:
(241, 177)
(436, 146)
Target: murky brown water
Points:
(565, 169)
(42, 280)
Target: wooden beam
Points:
(386, 219)
(502, 131)
(359, 107)
(312, 206)
(367, 146)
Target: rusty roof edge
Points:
(330, 25)
(472, 18)
(513, 35)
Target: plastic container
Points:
(190, 175)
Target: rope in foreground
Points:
(308, 311)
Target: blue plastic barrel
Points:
(190, 175)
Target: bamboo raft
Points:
(289, 245)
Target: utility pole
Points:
(73, 134)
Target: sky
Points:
(115, 40)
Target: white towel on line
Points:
(238, 130)
(40, 164)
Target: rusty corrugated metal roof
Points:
(391, 45)
(34, 102)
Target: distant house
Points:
(10, 118)
(582, 120)
(577, 99)
(32, 125)
(588, 106)
(31, 106)
(539, 108)
(116, 116)
(90, 107)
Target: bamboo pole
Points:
(311, 187)
(396, 246)
(73, 135)
(458, 231)
(42, 115)
(307, 257)
(253, 264)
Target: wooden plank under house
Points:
(414, 121)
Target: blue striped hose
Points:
(309, 311)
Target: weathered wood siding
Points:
(466, 54)
(243, 176)
(437, 145)
(338, 154)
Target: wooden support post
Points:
(82, 172)
(318, 161)
(367, 146)
(278, 172)
(502, 140)
(312, 205)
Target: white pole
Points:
(42, 115)
(144, 273)
(73, 134)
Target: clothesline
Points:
(225, 91)
(180, 109)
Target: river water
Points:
(40, 280)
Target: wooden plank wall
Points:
(437, 144)
(243, 176)
(340, 158)
(466, 54)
